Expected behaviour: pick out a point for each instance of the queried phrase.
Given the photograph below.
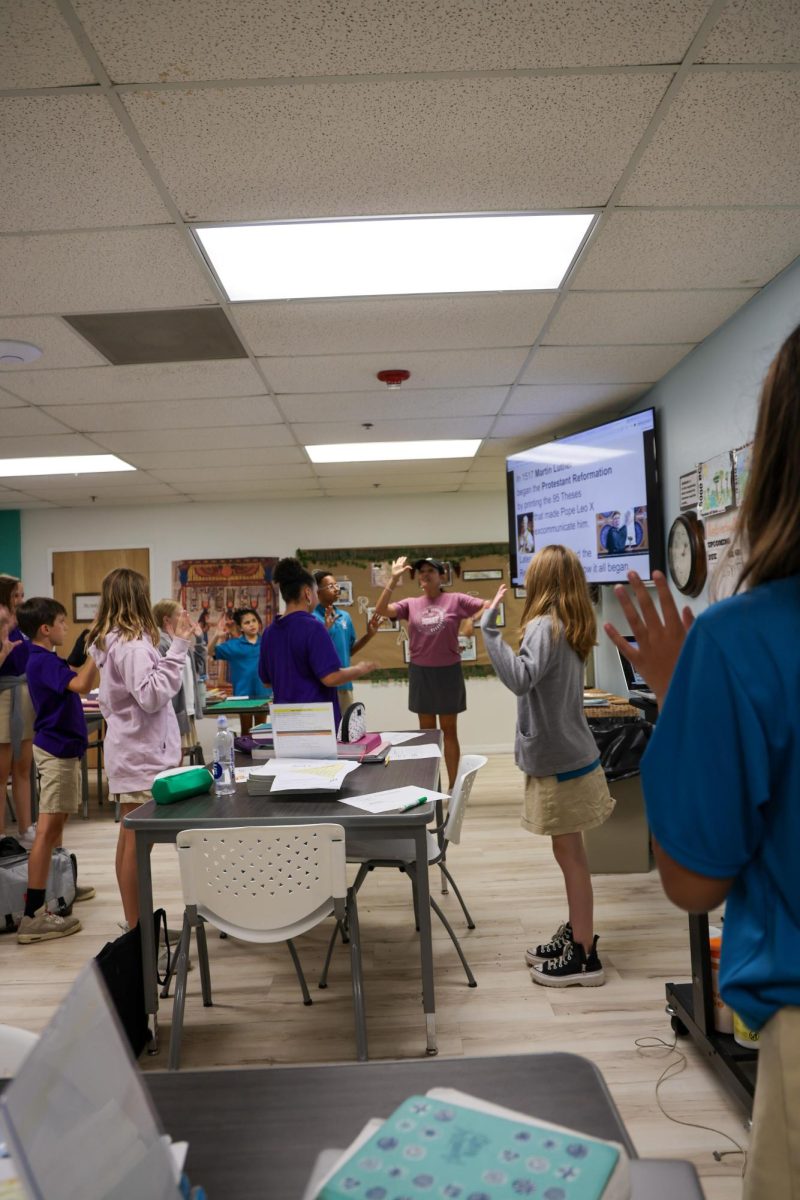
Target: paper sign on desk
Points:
(397, 739)
(313, 777)
(276, 766)
(400, 753)
(393, 800)
(304, 730)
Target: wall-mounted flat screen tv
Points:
(597, 492)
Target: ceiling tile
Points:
(393, 325)
(498, 448)
(602, 364)
(59, 345)
(394, 488)
(484, 485)
(117, 500)
(173, 414)
(730, 137)
(9, 401)
(690, 248)
(100, 482)
(391, 431)
(180, 477)
(161, 335)
(619, 318)
(372, 471)
(54, 488)
(224, 436)
(763, 32)
(389, 405)
(223, 487)
(38, 445)
(214, 458)
(64, 158)
(158, 381)
(21, 421)
(429, 369)
(112, 270)
(471, 145)
(532, 426)
(569, 398)
(203, 39)
(37, 49)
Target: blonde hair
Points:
(8, 585)
(556, 586)
(165, 608)
(125, 608)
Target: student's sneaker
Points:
(27, 838)
(83, 893)
(44, 926)
(574, 968)
(545, 951)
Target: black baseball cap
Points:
(431, 562)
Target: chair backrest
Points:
(264, 883)
(14, 1046)
(467, 770)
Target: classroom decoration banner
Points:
(209, 587)
(475, 568)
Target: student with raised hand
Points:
(436, 686)
(136, 690)
(565, 787)
(721, 774)
(339, 625)
(298, 659)
(16, 711)
(187, 701)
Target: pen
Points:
(414, 804)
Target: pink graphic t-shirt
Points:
(433, 626)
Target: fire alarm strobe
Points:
(393, 379)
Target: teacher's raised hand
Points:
(399, 567)
(659, 636)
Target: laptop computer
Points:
(636, 684)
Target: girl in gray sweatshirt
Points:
(565, 786)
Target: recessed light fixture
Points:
(345, 452)
(394, 256)
(66, 464)
(17, 354)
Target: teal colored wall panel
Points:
(10, 542)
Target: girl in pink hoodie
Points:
(136, 690)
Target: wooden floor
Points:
(515, 892)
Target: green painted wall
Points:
(10, 542)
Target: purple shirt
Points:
(17, 660)
(296, 652)
(433, 626)
(60, 726)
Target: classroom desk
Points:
(162, 823)
(255, 1134)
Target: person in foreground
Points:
(565, 786)
(728, 826)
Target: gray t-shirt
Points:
(546, 676)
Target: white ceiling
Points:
(121, 124)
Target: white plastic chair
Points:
(263, 884)
(384, 852)
(15, 1044)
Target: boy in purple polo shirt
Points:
(59, 743)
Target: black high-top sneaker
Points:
(552, 949)
(574, 968)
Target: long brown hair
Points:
(125, 608)
(768, 527)
(8, 585)
(556, 586)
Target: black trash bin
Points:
(622, 844)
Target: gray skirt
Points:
(437, 690)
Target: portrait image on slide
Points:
(622, 531)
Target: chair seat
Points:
(363, 848)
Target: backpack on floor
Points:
(120, 964)
(59, 893)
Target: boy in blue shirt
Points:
(340, 626)
(241, 652)
(59, 743)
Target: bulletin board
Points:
(477, 569)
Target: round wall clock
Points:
(686, 554)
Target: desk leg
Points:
(148, 934)
(425, 938)
(354, 932)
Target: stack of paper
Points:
(298, 775)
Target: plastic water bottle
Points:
(222, 760)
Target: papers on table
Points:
(393, 799)
(397, 739)
(304, 730)
(399, 753)
(327, 777)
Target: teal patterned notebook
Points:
(428, 1148)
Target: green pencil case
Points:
(180, 783)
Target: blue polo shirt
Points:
(296, 653)
(242, 656)
(731, 724)
(343, 636)
(60, 726)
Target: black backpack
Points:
(120, 964)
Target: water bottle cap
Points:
(222, 722)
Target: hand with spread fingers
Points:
(659, 636)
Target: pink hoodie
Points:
(136, 687)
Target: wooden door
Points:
(79, 574)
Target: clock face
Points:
(681, 559)
(686, 555)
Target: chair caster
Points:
(473, 984)
(222, 933)
(322, 986)
(307, 1002)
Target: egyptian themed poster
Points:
(209, 587)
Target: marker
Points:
(414, 804)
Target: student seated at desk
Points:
(298, 659)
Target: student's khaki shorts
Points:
(5, 714)
(773, 1164)
(571, 806)
(59, 782)
(136, 798)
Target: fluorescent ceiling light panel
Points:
(344, 452)
(394, 256)
(66, 464)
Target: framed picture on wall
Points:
(85, 605)
(468, 647)
(406, 651)
(520, 593)
(489, 573)
(386, 626)
(501, 616)
(345, 593)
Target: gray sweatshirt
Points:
(547, 679)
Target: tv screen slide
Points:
(596, 492)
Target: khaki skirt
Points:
(571, 806)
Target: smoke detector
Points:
(17, 354)
(393, 379)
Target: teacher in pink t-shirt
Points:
(435, 678)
